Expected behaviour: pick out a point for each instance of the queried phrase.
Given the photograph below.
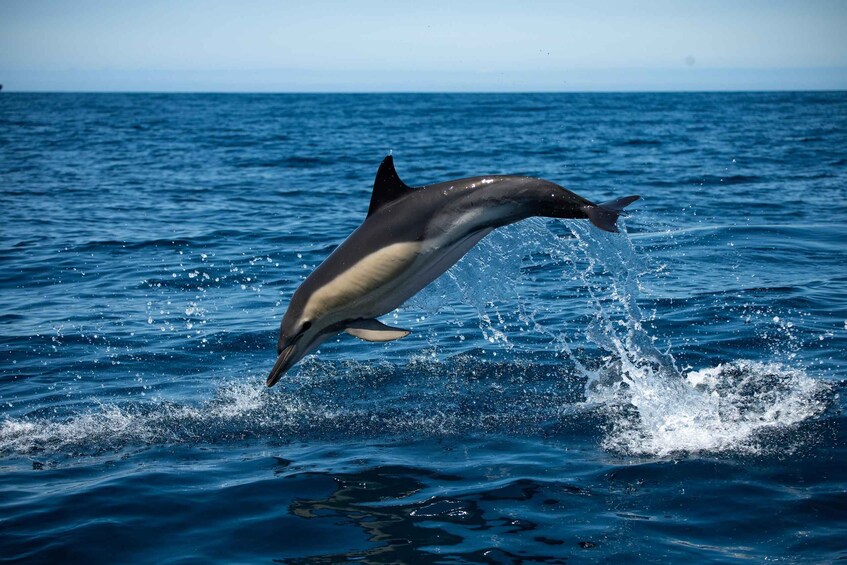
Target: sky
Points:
(368, 46)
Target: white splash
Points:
(656, 409)
(111, 426)
(723, 408)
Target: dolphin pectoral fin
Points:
(374, 330)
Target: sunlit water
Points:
(670, 392)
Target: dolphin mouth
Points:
(281, 365)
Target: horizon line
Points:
(3, 90)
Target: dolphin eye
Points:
(306, 326)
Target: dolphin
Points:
(408, 239)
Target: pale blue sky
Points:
(259, 45)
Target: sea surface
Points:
(671, 393)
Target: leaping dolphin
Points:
(410, 237)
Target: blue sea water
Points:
(674, 392)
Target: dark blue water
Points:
(672, 392)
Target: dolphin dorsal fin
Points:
(387, 186)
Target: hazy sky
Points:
(258, 45)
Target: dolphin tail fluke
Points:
(606, 214)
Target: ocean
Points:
(672, 392)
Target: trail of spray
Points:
(652, 407)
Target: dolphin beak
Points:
(283, 363)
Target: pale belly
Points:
(429, 264)
(380, 282)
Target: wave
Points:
(326, 400)
(621, 390)
(631, 411)
(640, 141)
